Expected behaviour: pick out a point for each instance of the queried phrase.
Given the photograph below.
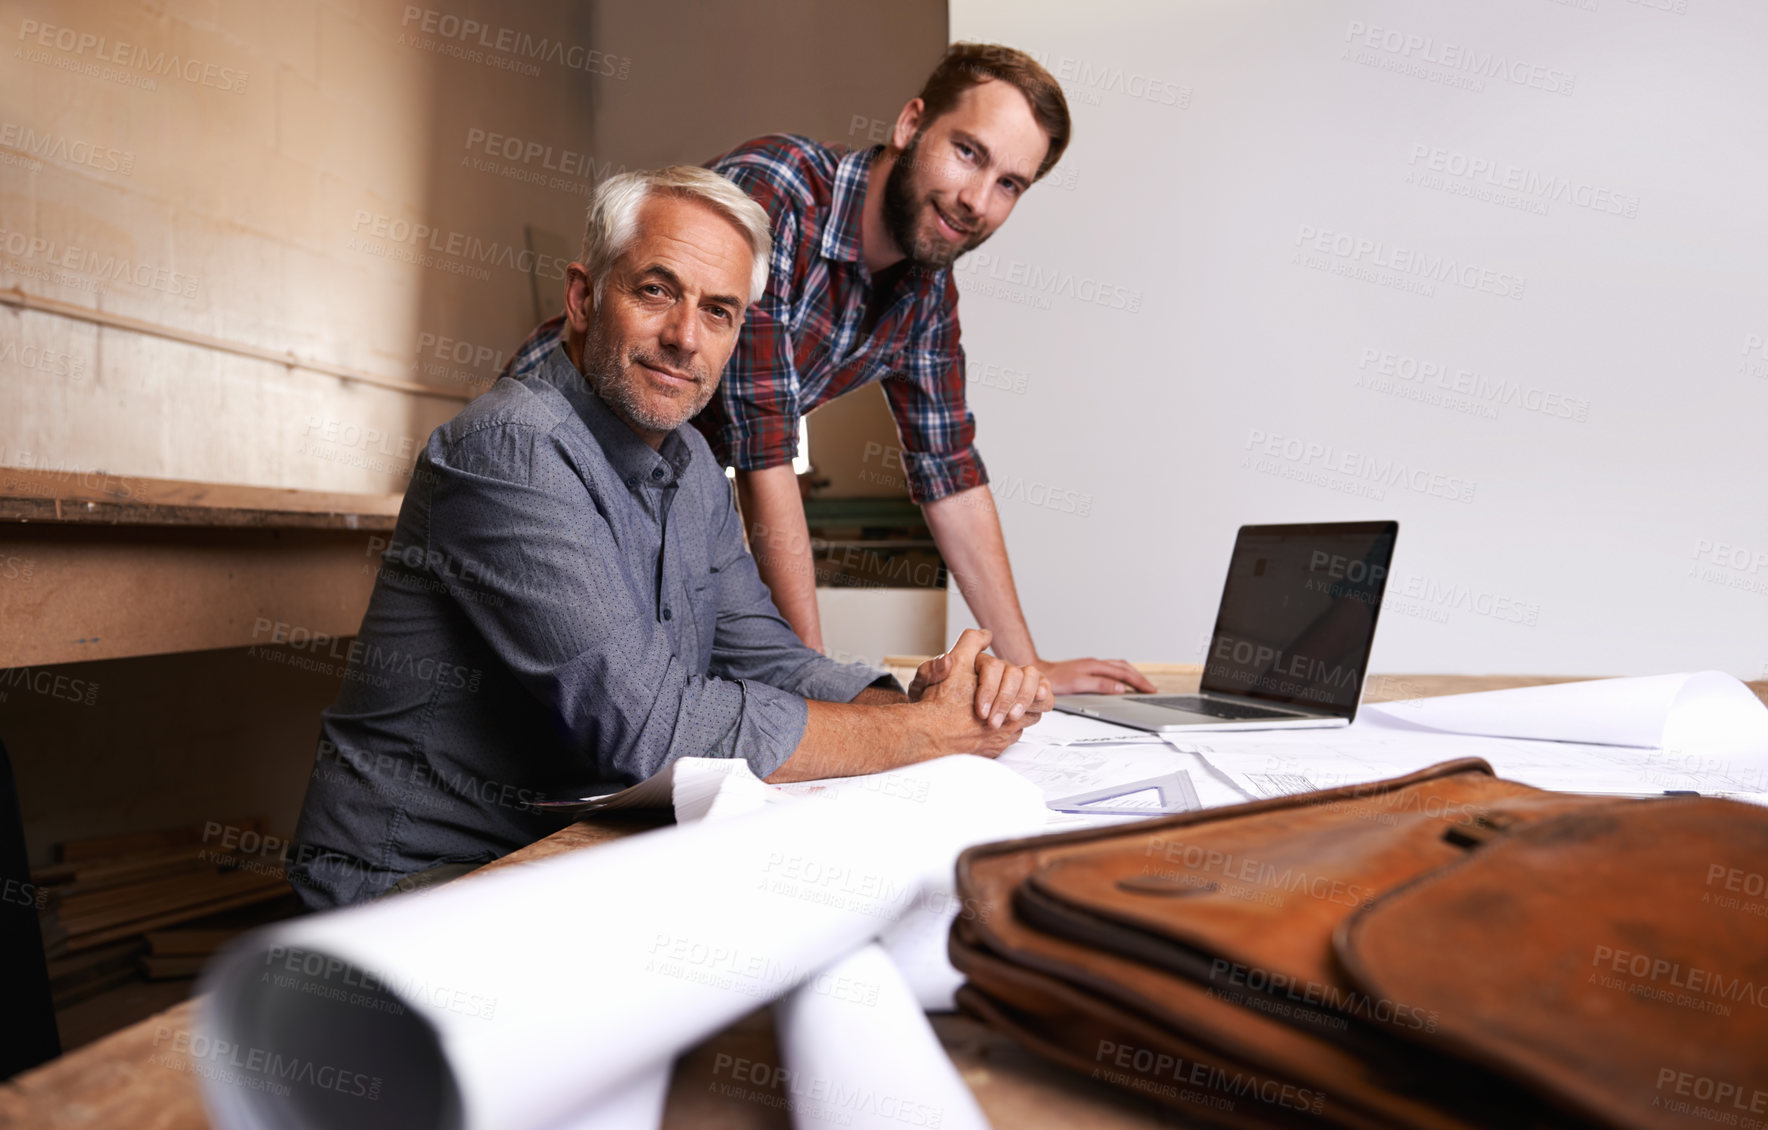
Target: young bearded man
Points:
(861, 291)
(566, 601)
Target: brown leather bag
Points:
(1446, 950)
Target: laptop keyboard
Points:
(1214, 708)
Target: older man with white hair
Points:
(566, 602)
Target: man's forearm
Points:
(879, 696)
(779, 538)
(847, 739)
(967, 530)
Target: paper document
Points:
(1058, 728)
(653, 792)
(1708, 713)
(1279, 763)
(689, 785)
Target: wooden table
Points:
(132, 1079)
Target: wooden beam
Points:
(24, 300)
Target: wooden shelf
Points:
(101, 566)
(99, 498)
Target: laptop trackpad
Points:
(1129, 710)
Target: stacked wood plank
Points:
(112, 904)
(181, 953)
(76, 977)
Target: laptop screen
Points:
(1298, 613)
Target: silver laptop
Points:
(1291, 640)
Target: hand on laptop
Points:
(1004, 698)
(1095, 676)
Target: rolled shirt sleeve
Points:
(758, 409)
(553, 597)
(933, 418)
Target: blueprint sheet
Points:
(1702, 732)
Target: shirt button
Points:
(656, 472)
(667, 614)
(632, 480)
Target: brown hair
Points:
(965, 65)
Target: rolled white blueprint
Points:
(856, 1049)
(714, 789)
(918, 944)
(636, 1105)
(860, 1055)
(524, 998)
(1707, 713)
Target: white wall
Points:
(1188, 346)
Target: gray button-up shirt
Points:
(560, 608)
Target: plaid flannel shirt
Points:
(801, 344)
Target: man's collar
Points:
(843, 234)
(631, 457)
(847, 206)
